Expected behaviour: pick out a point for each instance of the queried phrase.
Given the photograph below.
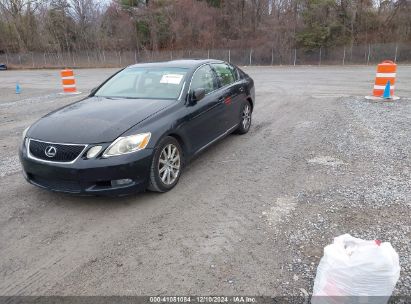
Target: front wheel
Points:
(245, 119)
(166, 165)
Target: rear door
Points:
(231, 92)
(206, 117)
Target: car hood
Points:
(94, 120)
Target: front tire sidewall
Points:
(156, 184)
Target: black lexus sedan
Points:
(138, 128)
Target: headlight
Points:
(25, 133)
(128, 144)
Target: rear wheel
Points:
(245, 119)
(166, 165)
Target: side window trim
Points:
(237, 75)
(235, 71)
(215, 79)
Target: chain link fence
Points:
(358, 55)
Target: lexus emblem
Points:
(50, 151)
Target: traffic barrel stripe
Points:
(68, 81)
(387, 66)
(383, 81)
(386, 75)
(66, 73)
(382, 87)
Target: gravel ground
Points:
(371, 200)
(250, 216)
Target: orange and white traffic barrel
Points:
(68, 81)
(386, 71)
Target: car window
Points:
(124, 81)
(204, 78)
(145, 82)
(225, 73)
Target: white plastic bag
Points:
(355, 267)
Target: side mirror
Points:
(197, 95)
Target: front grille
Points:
(54, 152)
(56, 185)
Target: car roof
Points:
(182, 63)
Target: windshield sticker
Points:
(171, 78)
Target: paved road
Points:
(250, 216)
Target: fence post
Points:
(171, 55)
(208, 53)
(32, 59)
(319, 62)
(344, 57)
(95, 58)
(119, 53)
(351, 52)
(295, 56)
(272, 56)
(396, 51)
(251, 54)
(369, 51)
(7, 59)
(229, 55)
(19, 58)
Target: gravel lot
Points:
(250, 216)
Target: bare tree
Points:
(66, 25)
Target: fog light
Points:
(93, 151)
(120, 182)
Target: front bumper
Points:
(90, 176)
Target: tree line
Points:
(120, 25)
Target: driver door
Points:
(206, 116)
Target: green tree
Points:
(322, 25)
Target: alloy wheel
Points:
(246, 117)
(169, 164)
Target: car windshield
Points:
(145, 82)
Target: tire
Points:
(245, 119)
(166, 165)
